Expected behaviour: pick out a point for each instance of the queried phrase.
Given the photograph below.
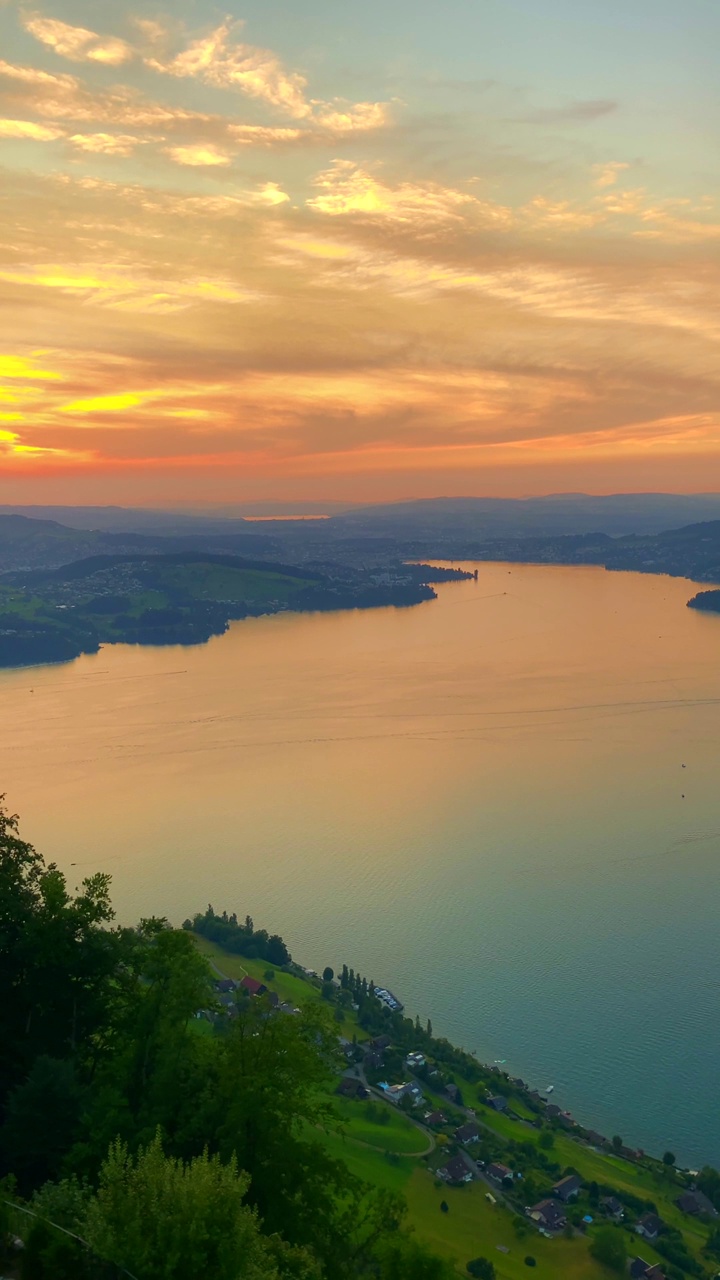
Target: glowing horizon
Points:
(320, 256)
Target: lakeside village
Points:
(478, 1121)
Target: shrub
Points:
(481, 1269)
(608, 1246)
(530, 1261)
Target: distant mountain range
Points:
(562, 513)
(27, 543)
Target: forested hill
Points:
(49, 615)
(177, 1104)
(690, 552)
(171, 1154)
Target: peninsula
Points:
(51, 615)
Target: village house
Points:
(351, 1087)
(373, 1060)
(613, 1208)
(452, 1092)
(498, 1171)
(396, 1092)
(224, 985)
(381, 1043)
(414, 1060)
(497, 1102)
(548, 1214)
(696, 1203)
(455, 1171)
(467, 1133)
(434, 1118)
(595, 1139)
(649, 1226)
(567, 1188)
(642, 1270)
(253, 986)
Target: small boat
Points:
(550, 1088)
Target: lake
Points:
(503, 804)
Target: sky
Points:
(321, 252)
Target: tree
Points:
(481, 1269)
(41, 1122)
(708, 1180)
(546, 1141)
(159, 1217)
(608, 1247)
(61, 972)
(328, 974)
(668, 1160)
(403, 1258)
(713, 1244)
(617, 1143)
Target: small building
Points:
(552, 1110)
(351, 1087)
(498, 1171)
(455, 1171)
(498, 1102)
(595, 1139)
(639, 1269)
(223, 985)
(548, 1214)
(396, 1092)
(253, 986)
(434, 1119)
(467, 1133)
(649, 1226)
(567, 1188)
(414, 1061)
(613, 1208)
(381, 1043)
(373, 1060)
(696, 1203)
(642, 1270)
(452, 1092)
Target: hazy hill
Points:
(563, 513)
(29, 543)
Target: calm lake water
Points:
(504, 804)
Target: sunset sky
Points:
(284, 251)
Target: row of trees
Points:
(242, 939)
(169, 1153)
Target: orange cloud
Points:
(198, 155)
(348, 190)
(77, 43)
(29, 129)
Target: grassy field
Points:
(398, 1135)
(474, 1228)
(207, 581)
(294, 990)
(392, 1172)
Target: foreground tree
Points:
(166, 1220)
(59, 965)
(608, 1247)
